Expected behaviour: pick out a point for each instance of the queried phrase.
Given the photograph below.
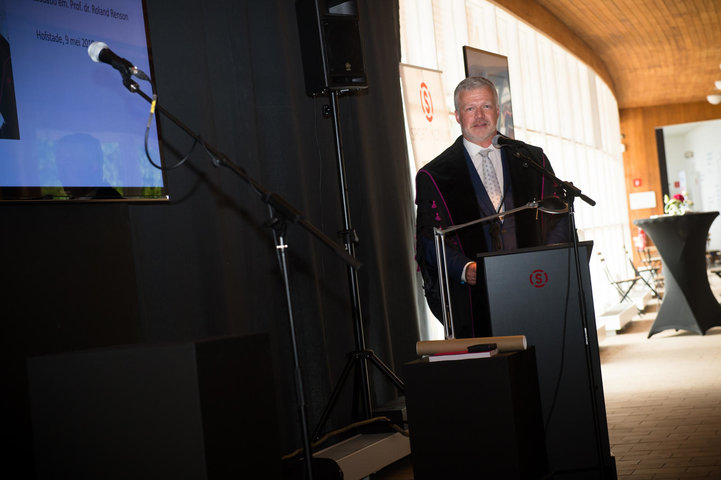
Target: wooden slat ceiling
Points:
(657, 52)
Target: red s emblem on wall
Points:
(426, 102)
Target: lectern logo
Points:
(539, 278)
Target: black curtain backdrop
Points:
(203, 265)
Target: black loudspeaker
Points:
(330, 45)
(200, 410)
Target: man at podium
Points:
(472, 179)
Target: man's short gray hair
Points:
(474, 83)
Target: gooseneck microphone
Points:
(100, 52)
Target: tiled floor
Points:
(663, 401)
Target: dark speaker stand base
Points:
(357, 359)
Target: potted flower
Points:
(676, 205)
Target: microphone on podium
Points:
(500, 141)
(519, 149)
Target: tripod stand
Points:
(281, 213)
(360, 357)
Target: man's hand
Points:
(471, 274)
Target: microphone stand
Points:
(527, 160)
(571, 193)
(281, 213)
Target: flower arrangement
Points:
(677, 205)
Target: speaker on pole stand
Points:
(333, 65)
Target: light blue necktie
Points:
(490, 180)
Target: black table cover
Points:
(688, 302)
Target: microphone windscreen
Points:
(94, 50)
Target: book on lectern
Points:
(484, 350)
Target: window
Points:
(559, 104)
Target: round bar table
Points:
(688, 303)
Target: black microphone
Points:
(519, 149)
(99, 52)
(503, 141)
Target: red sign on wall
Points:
(426, 102)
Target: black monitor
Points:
(70, 130)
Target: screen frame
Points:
(102, 193)
(494, 67)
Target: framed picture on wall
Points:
(494, 67)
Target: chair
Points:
(716, 270)
(652, 263)
(713, 260)
(622, 286)
(646, 273)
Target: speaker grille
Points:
(330, 45)
(343, 51)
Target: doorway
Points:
(690, 164)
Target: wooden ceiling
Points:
(656, 52)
